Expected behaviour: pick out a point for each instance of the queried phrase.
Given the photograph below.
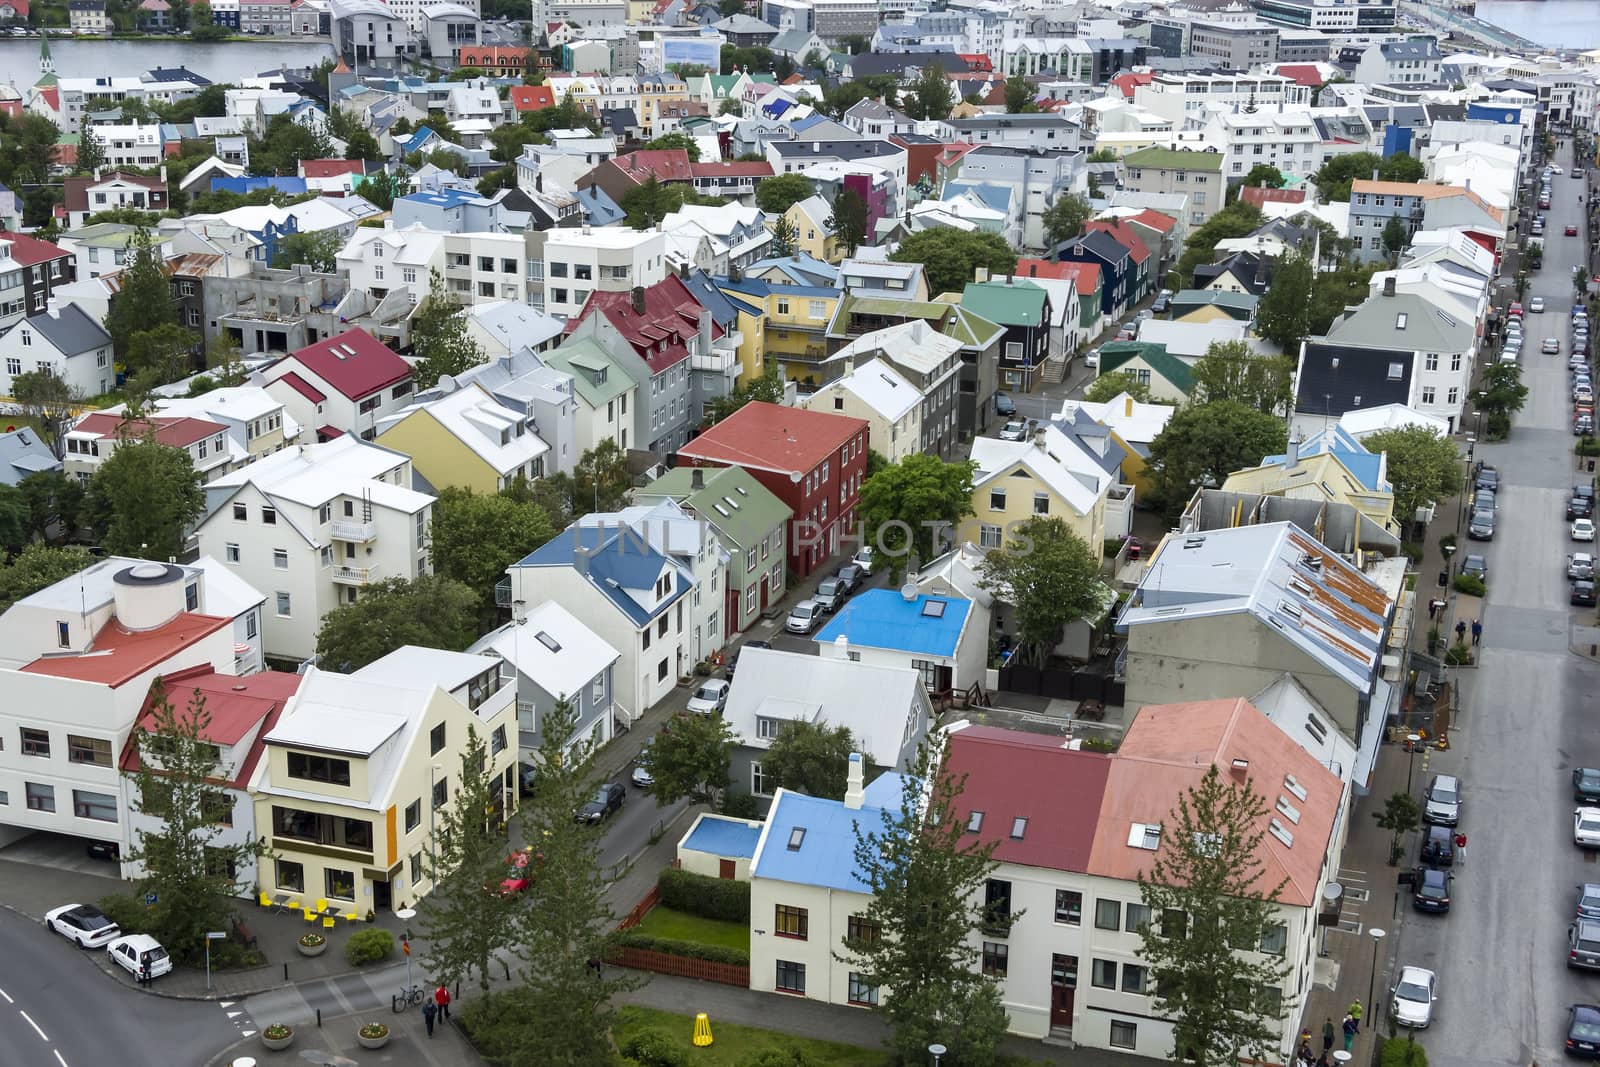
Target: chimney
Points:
(1127, 408)
(697, 478)
(638, 300)
(1241, 769)
(855, 787)
(1038, 437)
(1388, 286)
(1294, 455)
(981, 275)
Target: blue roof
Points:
(776, 108)
(418, 137)
(997, 197)
(762, 287)
(249, 183)
(598, 207)
(882, 618)
(1367, 467)
(803, 268)
(723, 837)
(826, 852)
(618, 560)
(445, 197)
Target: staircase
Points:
(1054, 371)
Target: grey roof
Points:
(791, 41)
(1415, 48)
(841, 149)
(742, 23)
(70, 329)
(1402, 321)
(22, 454)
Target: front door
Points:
(763, 592)
(1063, 986)
(727, 869)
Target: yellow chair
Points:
(266, 901)
(350, 916)
(310, 915)
(293, 904)
(322, 904)
(327, 923)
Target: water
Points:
(221, 62)
(1554, 23)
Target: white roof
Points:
(497, 434)
(880, 387)
(1135, 421)
(723, 220)
(1297, 713)
(912, 344)
(578, 656)
(226, 594)
(1061, 464)
(665, 526)
(1191, 340)
(411, 245)
(238, 402)
(515, 324)
(1363, 421)
(313, 474)
(344, 713)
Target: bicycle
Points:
(406, 998)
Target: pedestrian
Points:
(1349, 1031)
(429, 1010)
(1461, 632)
(1461, 850)
(1433, 607)
(1477, 630)
(1327, 1036)
(1355, 1012)
(441, 997)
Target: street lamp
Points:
(405, 915)
(1411, 747)
(1372, 980)
(937, 1051)
(1448, 550)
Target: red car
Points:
(1572, 231)
(1515, 310)
(521, 869)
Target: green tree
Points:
(1113, 384)
(440, 338)
(931, 95)
(430, 610)
(731, 7)
(225, 360)
(1334, 179)
(599, 481)
(1231, 371)
(926, 876)
(284, 144)
(950, 258)
(184, 857)
(317, 249)
(1050, 576)
(14, 519)
(379, 189)
(1399, 815)
(1064, 219)
(1204, 443)
(1265, 174)
(203, 26)
(671, 141)
(646, 204)
(1283, 315)
(1236, 220)
(777, 194)
(1395, 235)
(54, 501)
(143, 500)
(691, 759)
(37, 567)
(362, 145)
(47, 400)
(785, 237)
(91, 153)
(1019, 95)
(144, 296)
(466, 917)
(848, 222)
(1335, 290)
(810, 757)
(1422, 464)
(163, 353)
(1216, 910)
(921, 492)
(730, 106)
(1501, 392)
(766, 387)
(475, 538)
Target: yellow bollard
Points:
(702, 1030)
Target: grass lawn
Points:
(681, 926)
(734, 1045)
(10, 422)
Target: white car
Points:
(1551, 346)
(864, 558)
(141, 956)
(1091, 358)
(710, 698)
(83, 924)
(642, 777)
(1586, 827)
(1414, 995)
(1536, 304)
(1583, 529)
(1015, 430)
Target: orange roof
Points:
(1154, 220)
(1086, 275)
(329, 168)
(1129, 82)
(1123, 234)
(118, 656)
(1427, 191)
(1305, 74)
(667, 164)
(1256, 195)
(532, 97)
(172, 432)
(1168, 749)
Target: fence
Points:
(642, 959)
(648, 901)
(1062, 684)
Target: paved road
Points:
(56, 1010)
(1500, 953)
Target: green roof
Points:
(1020, 303)
(1173, 159)
(1237, 305)
(741, 527)
(971, 328)
(965, 325)
(104, 234)
(1116, 354)
(586, 359)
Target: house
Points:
(252, 418)
(23, 453)
(240, 711)
(1050, 475)
(886, 708)
(1417, 206)
(750, 524)
(793, 323)
(873, 276)
(504, 327)
(1170, 379)
(578, 262)
(1133, 424)
(351, 763)
(110, 190)
(544, 396)
(1247, 273)
(556, 657)
(902, 381)
(87, 17)
(1086, 278)
(1214, 305)
(312, 526)
(30, 272)
(65, 341)
(1197, 174)
(1330, 466)
(1114, 264)
(813, 461)
(466, 440)
(95, 437)
(1024, 310)
(813, 236)
(932, 635)
(603, 387)
(341, 384)
(1412, 61)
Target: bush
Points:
(1447, 539)
(740, 805)
(653, 1048)
(710, 898)
(688, 949)
(1587, 446)
(1470, 584)
(369, 946)
(1402, 1052)
(1412, 550)
(777, 1056)
(126, 911)
(1458, 655)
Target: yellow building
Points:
(752, 327)
(1133, 424)
(809, 217)
(466, 440)
(1048, 476)
(361, 768)
(1331, 466)
(793, 321)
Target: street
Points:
(1500, 953)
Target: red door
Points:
(1063, 986)
(764, 592)
(727, 869)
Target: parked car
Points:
(1536, 304)
(140, 955)
(1163, 302)
(734, 662)
(1091, 359)
(1580, 565)
(1439, 847)
(830, 594)
(804, 617)
(108, 851)
(1572, 231)
(1515, 310)
(1481, 527)
(1475, 566)
(1414, 994)
(641, 775)
(1430, 890)
(1586, 785)
(1589, 900)
(1484, 500)
(1442, 801)
(1582, 594)
(84, 925)
(1580, 507)
(1583, 529)
(1583, 944)
(865, 558)
(710, 698)
(607, 801)
(1003, 405)
(852, 577)
(1486, 478)
(1586, 827)
(1583, 1031)
(1015, 430)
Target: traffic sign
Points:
(149, 900)
(215, 935)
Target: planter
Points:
(280, 1042)
(312, 949)
(373, 1036)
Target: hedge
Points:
(369, 946)
(724, 899)
(653, 1048)
(689, 949)
(1470, 584)
(1401, 1052)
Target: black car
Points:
(1003, 405)
(734, 662)
(852, 576)
(1162, 305)
(1589, 900)
(1439, 847)
(1483, 500)
(1580, 507)
(1430, 890)
(607, 800)
(1586, 785)
(1476, 566)
(1583, 1031)
(1481, 526)
(1487, 478)
(1583, 594)
(109, 851)
(1583, 944)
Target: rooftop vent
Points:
(1241, 767)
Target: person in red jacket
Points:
(441, 997)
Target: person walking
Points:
(1349, 1031)
(429, 1010)
(1477, 630)
(1327, 1036)
(1355, 1012)
(1461, 632)
(441, 997)
(1433, 606)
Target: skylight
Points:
(1145, 835)
(1288, 810)
(1281, 832)
(933, 609)
(1019, 826)
(1292, 784)
(548, 642)
(975, 822)
(796, 836)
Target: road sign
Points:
(215, 935)
(150, 900)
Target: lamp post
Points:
(405, 915)
(937, 1051)
(1411, 747)
(1448, 550)
(1372, 980)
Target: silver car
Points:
(710, 698)
(1443, 800)
(804, 617)
(1414, 995)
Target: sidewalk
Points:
(409, 1044)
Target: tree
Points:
(777, 194)
(225, 360)
(926, 876)
(950, 258)
(1395, 235)
(440, 338)
(14, 519)
(1502, 393)
(1231, 371)
(766, 387)
(1215, 911)
(647, 203)
(54, 501)
(1283, 315)
(91, 153)
(1334, 179)
(163, 354)
(466, 916)
(1050, 576)
(931, 95)
(204, 28)
(730, 106)
(362, 145)
(1064, 219)
(143, 500)
(1422, 467)
(1265, 174)
(671, 141)
(912, 507)
(430, 610)
(37, 567)
(810, 757)
(785, 237)
(186, 863)
(1235, 220)
(284, 144)
(1335, 290)
(599, 480)
(317, 249)
(1113, 384)
(731, 7)
(475, 538)
(144, 297)
(1019, 95)
(755, 60)
(379, 189)
(848, 222)
(47, 400)
(691, 759)
(1399, 815)
(1203, 444)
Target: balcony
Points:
(351, 530)
(718, 359)
(355, 575)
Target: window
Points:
(291, 875)
(408, 275)
(1430, 361)
(269, 515)
(1041, 503)
(40, 797)
(783, 306)
(996, 957)
(1103, 975)
(1275, 939)
(35, 742)
(791, 977)
(1107, 914)
(231, 553)
(1123, 1034)
(340, 884)
(1427, 394)
(413, 815)
(416, 868)
(497, 741)
(817, 309)
(989, 536)
(1396, 371)
(280, 559)
(860, 929)
(101, 807)
(1069, 907)
(64, 634)
(441, 792)
(558, 270)
(436, 739)
(1134, 978)
(997, 500)
(758, 781)
(283, 605)
(1271, 1001)
(1455, 361)
(313, 768)
(240, 512)
(1138, 915)
(790, 922)
(91, 750)
(1174, 924)
(1452, 396)
(860, 992)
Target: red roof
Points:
(736, 169)
(330, 168)
(1306, 74)
(667, 164)
(1012, 775)
(1256, 195)
(1154, 220)
(236, 706)
(1129, 82)
(976, 61)
(52, 97)
(660, 333)
(354, 363)
(29, 251)
(775, 438)
(327, 432)
(496, 55)
(118, 656)
(76, 190)
(172, 432)
(952, 152)
(532, 97)
(1123, 234)
(303, 387)
(21, 7)
(1086, 275)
